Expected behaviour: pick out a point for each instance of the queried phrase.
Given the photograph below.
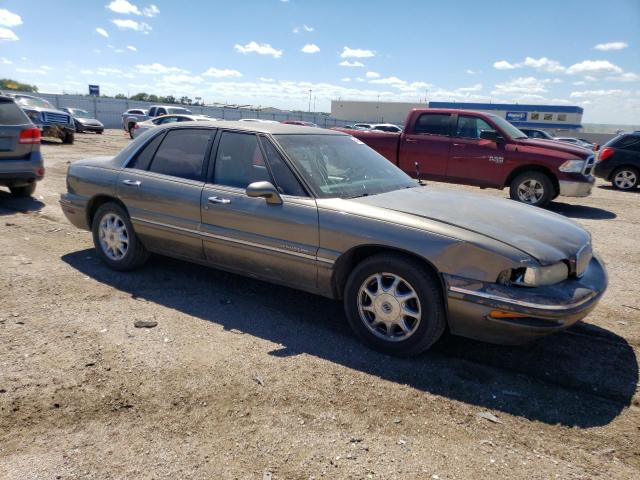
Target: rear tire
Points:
(625, 178)
(533, 188)
(394, 305)
(99, 132)
(25, 191)
(115, 240)
(68, 138)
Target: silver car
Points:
(320, 211)
(140, 128)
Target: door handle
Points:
(410, 140)
(219, 200)
(132, 183)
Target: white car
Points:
(257, 120)
(140, 128)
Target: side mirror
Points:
(264, 190)
(491, 135)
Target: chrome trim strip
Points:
(520, 303)
(235, 240)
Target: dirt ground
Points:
(245, 380)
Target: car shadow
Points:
(583, 377)
(609, 187)
(581, 211)
(10, 204)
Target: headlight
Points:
(535, 276)
(572, 166)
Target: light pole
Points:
(310, 100)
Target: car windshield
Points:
(80, 113)
(33, 102)
(342, 166)
(512, 131)
(184, 111)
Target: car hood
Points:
(556, 145)
(543, 235)
(88, 121)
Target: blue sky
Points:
(272, 52)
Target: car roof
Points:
(258, 127)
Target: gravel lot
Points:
(243, 379)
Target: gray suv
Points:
(20, 160)
(51, 121)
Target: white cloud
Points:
(347, 63)
(132, 48)
(605, 47)
(310, 48)
(307, 28)
(472, 72)
(594, 67)
(266, 79)
(345, 79)
(625, 77)
(128, 24)
(356, 53)
(102, 32)
(590, 78)
(475, 88)
(150, 11)
(388, 81)
(503, 65)
(580, 82)
(5, 61)
(521, 85)
(596, 93)
(123, 7)
(372, 75)
(7, 35)
(259, 48)
(9, 19)
(158, 68)
(39, 71)
(221, 73)
(544, 64)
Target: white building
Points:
(372, 112)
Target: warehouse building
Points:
(553, 118)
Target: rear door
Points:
(473, 160)
(12, 121)
(249, 235)
(161, 188)
(428, 143)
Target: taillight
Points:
(30, 135)
(135, 125)
(605, 153)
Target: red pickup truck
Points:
(482, 149)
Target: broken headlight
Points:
(535, 276)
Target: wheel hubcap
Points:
(113, 235)
(389, 306)
(530, 191)
(625, 179)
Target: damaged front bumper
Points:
(523, 313)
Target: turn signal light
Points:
(29, 135)
(605, 153)
(501, 314)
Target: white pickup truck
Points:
(136, 115)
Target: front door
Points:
(161, 188)
(277, 242)
(428, 144)
(473, 160)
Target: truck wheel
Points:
(25, 191)
(625, 178)
(68, 138)
(115, 240)
(533, 188)
(394, 305)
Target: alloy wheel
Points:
(113, 236)
(530, 191)
(625, 179)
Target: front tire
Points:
(115, 240)
(24, 191)
(394, 305)
(533, 188)
(625, 178)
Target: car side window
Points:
(143, 158)
(181, 153)
(433, 123)
(285, 180)
(470, 127)
(166, 120)
(239, 161)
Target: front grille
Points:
(583, 258)
(50, 118)
(588, 165)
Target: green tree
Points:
(141, 97)
(9, 84)
(185, 100)
(121, 96)
(152, 98)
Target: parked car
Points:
(130, 119)
(386, 127)
(51, 121)
(482, 149)
(21, 164)
(536, 133)
(84, 121)
(577, 142)
(140, 128)
(257, 120)
(299, 122)
(318, 210)
(619, 161)
(362, 126)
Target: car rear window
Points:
(628, 142)
(433, 123)
(181, 153)
(11, 114)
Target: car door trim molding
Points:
(235, 240)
